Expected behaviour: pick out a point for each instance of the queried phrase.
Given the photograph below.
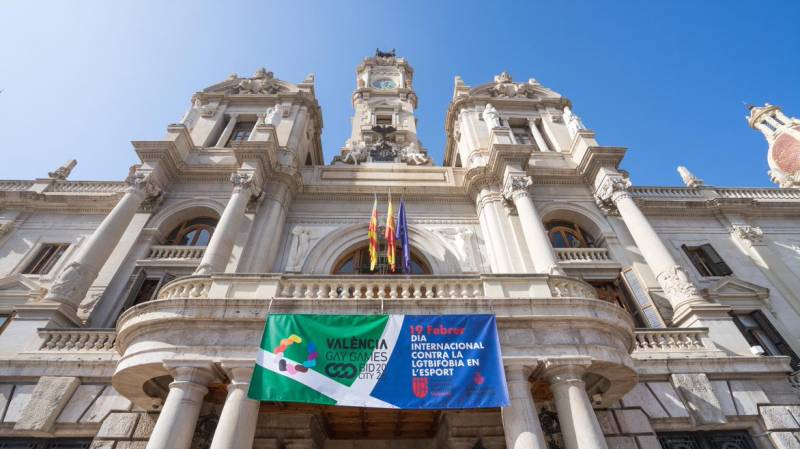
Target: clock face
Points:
(384, 83)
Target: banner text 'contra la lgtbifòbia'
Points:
(384, 361)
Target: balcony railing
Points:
(583, 255)
(78, 340)
(174, 255)
(657, 343)
(375, 287)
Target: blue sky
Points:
(666, 79)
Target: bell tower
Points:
(783, 137)
(384, 128)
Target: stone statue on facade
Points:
(412, 155)
(303, 238)
(689, 178)
(61, 173)
(573, 122)
(358, 153)
(273, 116)
(491, 117)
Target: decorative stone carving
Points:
(491, 117)
(263, 82)
(241, 181)
(611, 190)
(6, 226)
(747, 233)
(516, 185)
(413, 156)
(506, 87)
(676, 284)
(302, 241)
(358, 153)
(139, 182)
(574, 123)
(463, 241)
(689, 178)
(71, 282)
(63, 172)
(273, 116)
(698, 395)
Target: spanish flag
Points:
(389, 235)
(373, 236)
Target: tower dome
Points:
(783, 136)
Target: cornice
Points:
(599, 156)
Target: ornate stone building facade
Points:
(630, 317)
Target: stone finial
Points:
(63, 172)
(503, 77)
(262, 73)
(689, 178)
(309, 79)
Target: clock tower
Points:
(384, 128)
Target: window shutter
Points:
(718, 265)
(775, 336)
(647, 308)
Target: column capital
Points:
(747, 234)
(239, 371)
(516, 186)
(242, 180)
(677, 287)
(612, 189)
(141, 183)
(199, 372)
(562, 370)
(520, 371)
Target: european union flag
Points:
(402, 237)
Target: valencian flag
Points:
(428, 362)
(402, 236)
(390, 259)
(373, 236)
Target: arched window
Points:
(194, 232)
(357, 261)
(564, 234)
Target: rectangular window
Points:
(241, 132)
(383, 120)
(522, 135)
(47, 256)
(706, 260)
(760, 332)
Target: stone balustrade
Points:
(660, 342)
(88, 187)
(15, 185)
(761, 194)
(374, 287)
(78, 340)
(582, 255)
(175, 252)
(248, 286)
(708, 192)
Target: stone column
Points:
(612, 193)
(270, 219)
(237, 422)
(220, 247)
(178, 418)
(539, 247)
(73, 281)
(520, 420)
(490, 226)
(579, 426)
(227, 131)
